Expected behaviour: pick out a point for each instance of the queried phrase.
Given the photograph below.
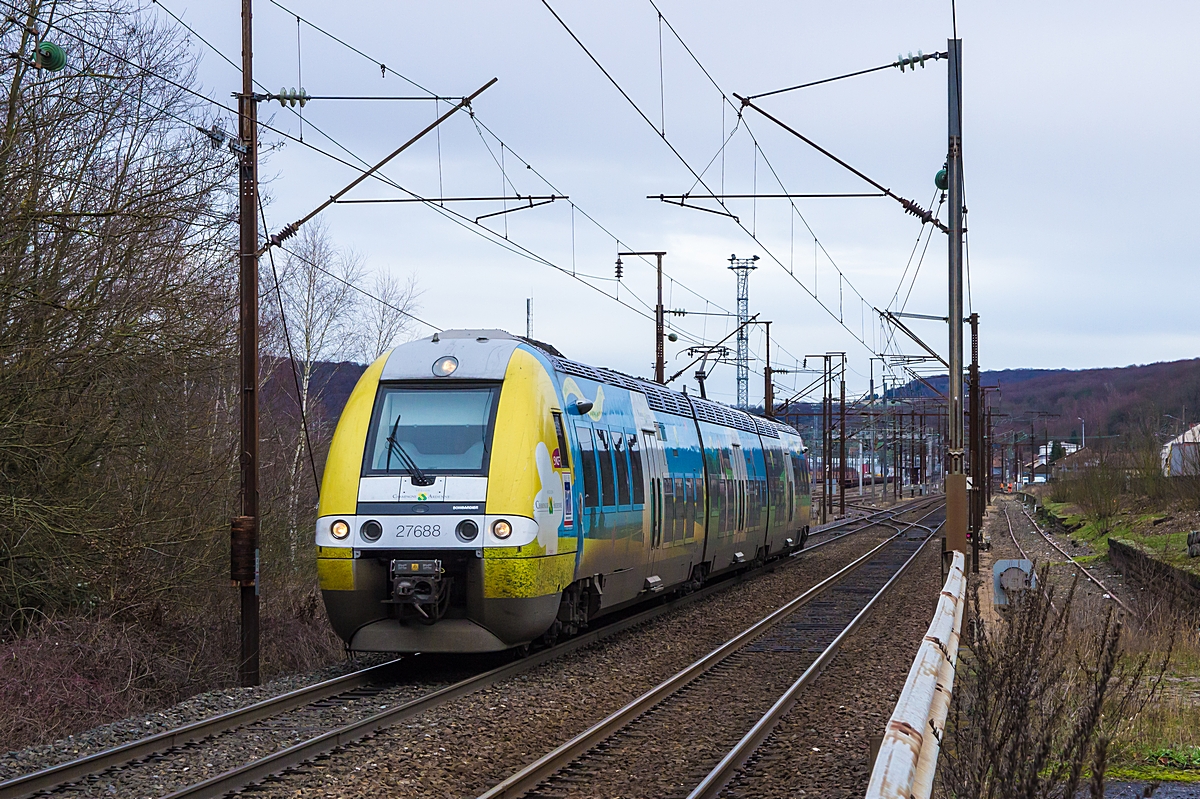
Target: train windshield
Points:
(446, 431)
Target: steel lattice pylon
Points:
(741, 267)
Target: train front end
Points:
(443, 523)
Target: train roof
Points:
(658, 397)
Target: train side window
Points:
(635, 462)
(684, 508)
(587, 463)
(608, 492)
(564, 457)
(668, 523)
(618, 442)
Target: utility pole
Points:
(988, 453)
(956, 480)
(842, 451)
(659, 356)
(244, 551)
(871, 419)
(768, 389)
(976, 449)
(741, 267)
(897, 456)
(827, 499)
(529, 317)
(826, 433)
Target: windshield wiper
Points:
(419, 478)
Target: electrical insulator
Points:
(672, 336)
(620, 268)
(50, 56)
(911, 62)
(292, 97)
(941, 180)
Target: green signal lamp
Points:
(940, 180)
(50, 56)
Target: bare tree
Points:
(319, 309)
(115, 312)
(387, 318)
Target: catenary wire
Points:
(287, 337)
(459, 219)
(462, 221)
(485, 127)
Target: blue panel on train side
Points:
(606, 456)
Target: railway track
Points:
(1067, 557)
(277, 734)
(1109, 594)
(722, 693)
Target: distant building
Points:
(1041, 468)
(1181, 455)
(1078, 461)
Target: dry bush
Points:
(1040, 697)
(1096, 489)
(118, 386)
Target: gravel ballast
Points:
(465, 745)
(1041, 552)
(469, 744)
(199, 707)
(821, 748)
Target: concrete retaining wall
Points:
(1162, 578)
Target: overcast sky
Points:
(1079, 124)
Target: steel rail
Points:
(870, 519)
(1070, 559)
(540, 770)
(723, 772)
(1020, 548)
(73, 770)
(241, 776)
(1045, 590)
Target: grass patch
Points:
(1149, 773)
(1168, 548)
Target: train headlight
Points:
(339, 529)
(445, 366)
(371, 530)
(501, 529)
(467, 530)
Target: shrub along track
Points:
(210, 758)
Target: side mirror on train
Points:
(582, 407)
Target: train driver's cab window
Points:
(564, 457)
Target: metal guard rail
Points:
(907, 759)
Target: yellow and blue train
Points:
(482, 492)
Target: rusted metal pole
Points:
(768, 389)
(827, 442)
(659, 315)
(956, 479)
(842, 445)
(244, 548)
(976, 448)
(659, 356)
